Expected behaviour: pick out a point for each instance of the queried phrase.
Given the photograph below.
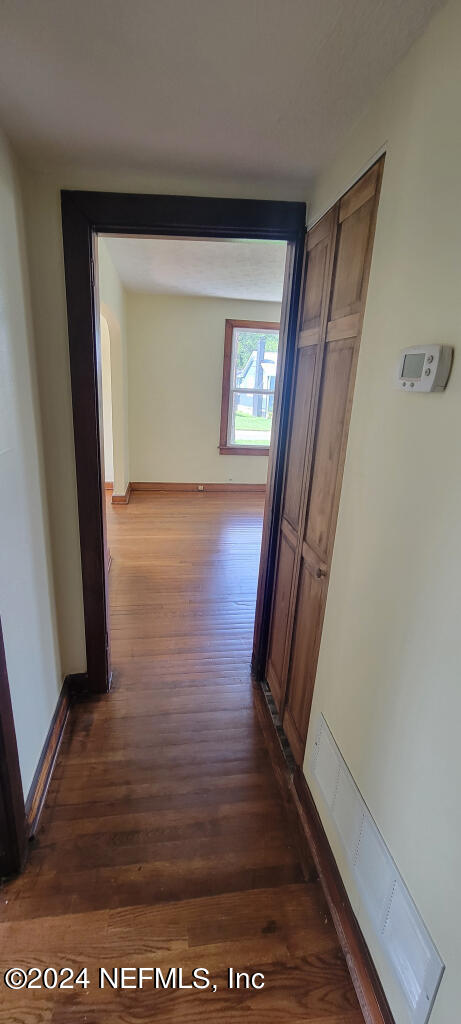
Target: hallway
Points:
(164, 840)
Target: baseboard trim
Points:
(108, 487)
(44, 770)
(122, 499)
(148, 485)
(370, 993)
(283, 774)
(78, 686)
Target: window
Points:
(249, 372)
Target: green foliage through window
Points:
(247, 342)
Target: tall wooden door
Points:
(329, 336)
(318, 269)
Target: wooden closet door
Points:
(354, 239)
(311, 328)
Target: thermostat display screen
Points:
(413, 365)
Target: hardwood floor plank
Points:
(165, 840)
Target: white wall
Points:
(106, 382)
(26, 592)
(174, 431)
(388, 679)
(113, 309)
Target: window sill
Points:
(227, 449)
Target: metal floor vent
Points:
(286, 749)
(392, 914)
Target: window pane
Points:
(254, 363)
(250, 419)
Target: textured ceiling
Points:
(228, 269)
(249, 89)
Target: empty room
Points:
(230, 315)
(189, 335)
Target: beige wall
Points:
(113, 308)
(106, 382)
(388, 679)
(26, 591)
(45, 259)
(174, 430)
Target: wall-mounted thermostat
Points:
(425, 368)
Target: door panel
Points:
(302, 672)
(283, 582)
(319, 244)
(315, 276)
(338, 261)
(298, 433)
(331, 420)
(355, 229)
(353, 239)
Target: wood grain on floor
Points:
(164, 841)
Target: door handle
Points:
(320, 573)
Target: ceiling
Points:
(227, 269)
(249, 89)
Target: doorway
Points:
(189, 343)
(85, 215)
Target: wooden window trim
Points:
(224, 447)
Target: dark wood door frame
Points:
(13, 833)
(276, 469)
(84, 216)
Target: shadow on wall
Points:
(106, 372)
(115, 405)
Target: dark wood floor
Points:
(164, 841)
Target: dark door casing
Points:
(84, 215)
(13, 836)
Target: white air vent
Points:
(393, 916)
(327, 762)
(375, 872)
(348, 812)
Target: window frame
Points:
(224, 447)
